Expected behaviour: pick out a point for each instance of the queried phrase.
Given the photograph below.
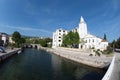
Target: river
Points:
(33, 64)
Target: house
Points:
(4, 39)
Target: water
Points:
(40, 65)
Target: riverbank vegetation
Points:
(44, 42)
(17, 39)
(115, 43)
(108, 51)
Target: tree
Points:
(43, 43)
(16, 37)
(22, 40)
(105, 37)
(71, 39)
(19, 41)
(48, 42)
(113, 44)
(76, 38)
(35, 41)
(116, 44)
(65, 40)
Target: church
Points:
(87, 40)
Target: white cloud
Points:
(26, 29)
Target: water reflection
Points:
(39, 65)
(74, 71)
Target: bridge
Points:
(36, 46)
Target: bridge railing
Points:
(110, 70)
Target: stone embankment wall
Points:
(8, 54)
(81, 57)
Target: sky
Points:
(42, 17)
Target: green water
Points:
(35, 64)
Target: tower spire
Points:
(82, 19)
(82, 28)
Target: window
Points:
(93, 40)
(59, 40)
(59, 30)
(104, 46)
(59, 33)
(59, 37)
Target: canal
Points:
(35, 64)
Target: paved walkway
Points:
(116, 71)
(8, 51)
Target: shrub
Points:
(97, 52)
(109, 50)
(91, 55)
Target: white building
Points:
(82, 28)
(57, 37)
(91, 41)
(87, 40)
(10, 40)
(4, 38)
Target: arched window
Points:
(93, 40)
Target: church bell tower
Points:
(82, 30)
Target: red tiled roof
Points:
(104, 40)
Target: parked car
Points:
(2, 50)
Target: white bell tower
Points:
(82, 30)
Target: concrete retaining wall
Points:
(4, 56)
(93, 61)
(110, 70)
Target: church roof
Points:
(89, 36)
(103, 40)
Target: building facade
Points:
(87, 40)
(10, 40)
(57, 37)
(4, 39)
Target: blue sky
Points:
(42, 17)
